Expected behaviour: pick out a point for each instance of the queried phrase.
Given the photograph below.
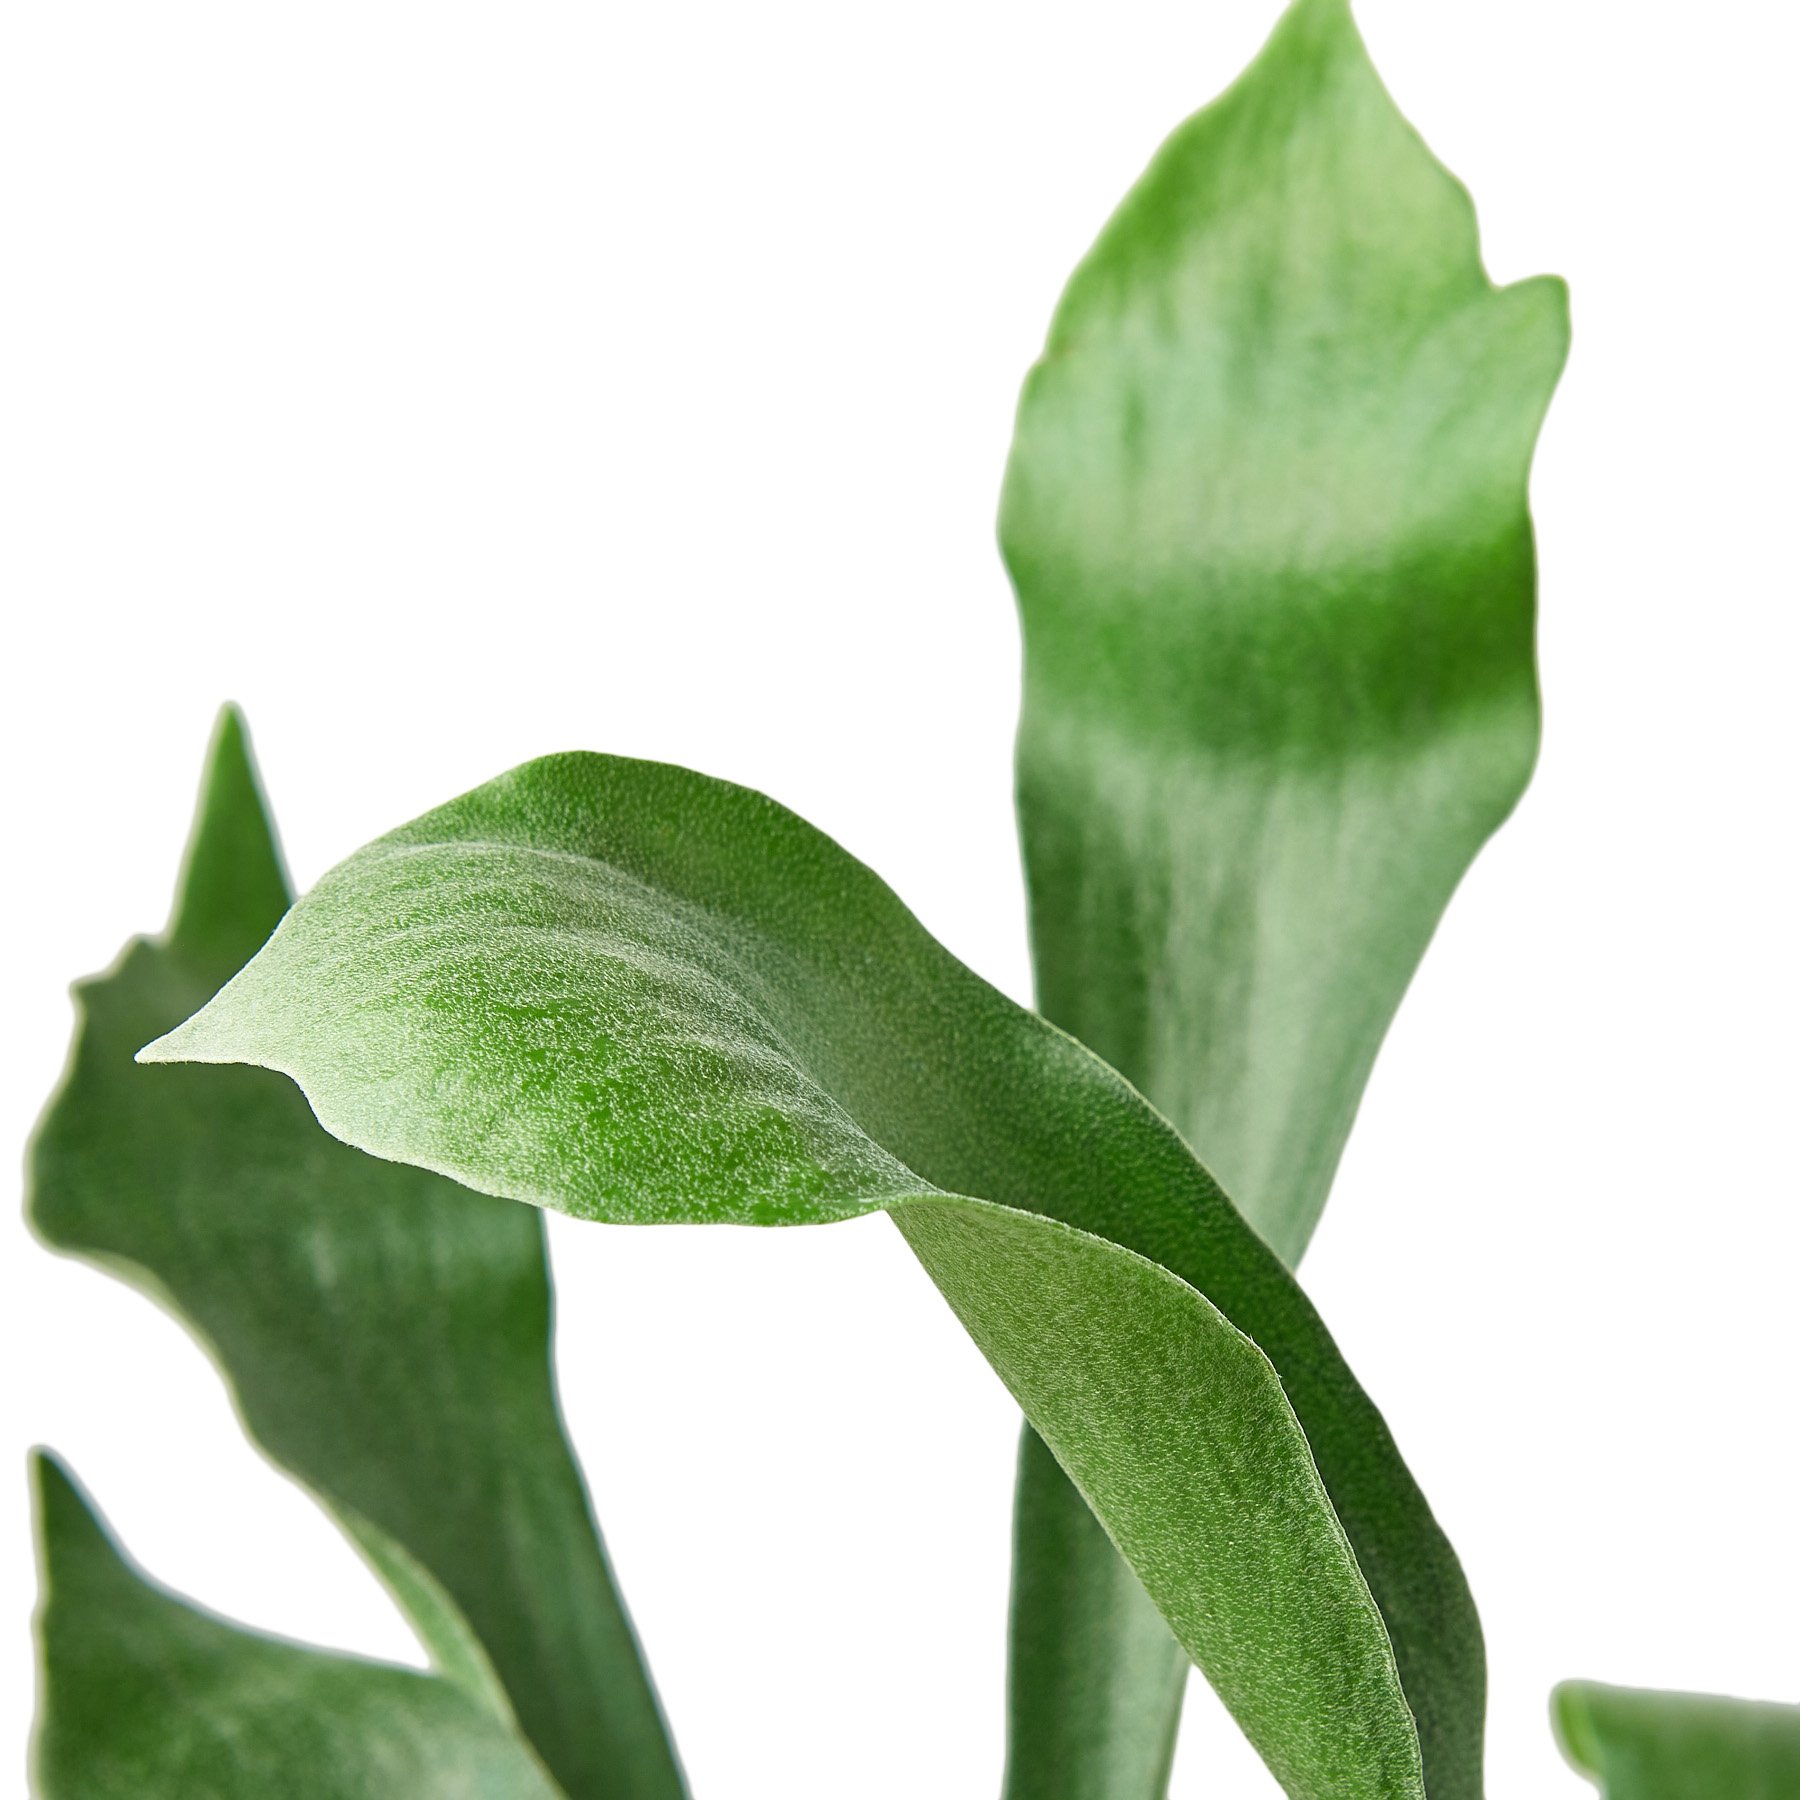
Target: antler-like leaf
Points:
(1266, 516)
(386, 1333)
(636, 994)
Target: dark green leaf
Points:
(636, 994)
(147, 1696)
(1637, 1745)
(386, 1333)
(1266, 516)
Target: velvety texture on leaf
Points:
(147, 1696)
(1266, 517)
(385, 1332)
(634, 993)
(1094, 1677)
(1638, 1745)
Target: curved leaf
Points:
(146, 1696)
(637, 994)
(385, 1333)
(1638, 1745)
(1266, 516)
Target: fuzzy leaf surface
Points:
(637, 994)
(385, 1332)
(147, 1696)
(1266, 517)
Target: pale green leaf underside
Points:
(1266, 517)
(1639, 1745)
(385, 1332)
(147, 1696)
(637, 994)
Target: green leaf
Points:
(1266, 516)
(145, 1695)
(637, 994)
(1638, 1745)
(1094, 1677)
(385, 1333)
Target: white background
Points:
(454, 383)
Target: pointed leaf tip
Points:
(70, 1528)
(233, 888)
(218, 1032)
(173, 1046)
(54, 1489)
(429, 1434)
